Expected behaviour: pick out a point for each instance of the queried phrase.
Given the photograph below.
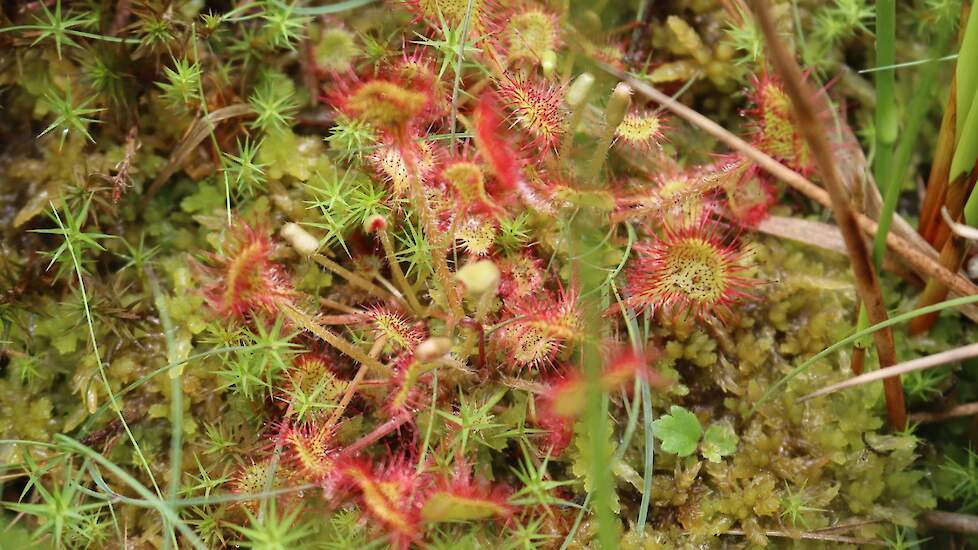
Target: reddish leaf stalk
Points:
(353, 278)
(379, 432)
(305, 321)
(930, 212)
(952, 251)
(437, 239)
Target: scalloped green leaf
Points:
(679, 431)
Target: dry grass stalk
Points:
(812, 130)
(921, 363)
(958, 411)
(948, 521)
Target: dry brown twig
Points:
(949, 521)
(921, 363)
(812, 536)
(813, 132)
(958, 411)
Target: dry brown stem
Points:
(930, 216)
(922, 259)
(921, 363)
(813, 131)
(949, 521)
(952, 249)
(958, 411)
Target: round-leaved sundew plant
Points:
(643, 130)
(244, 277)
(308, 451)
(391, 494)
(775, 130)
(395, 100)
(432, 274)
(690, 271)
(540, 326)
(536, 109)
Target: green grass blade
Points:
(887, 120)
(859, 334)
(165, 509)
(587, 241)
(332, 8)
(919, 107)
(967, 75)
(76, 262)
(176, 392)
(648, 466)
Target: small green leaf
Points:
(443, 506)
(679, 431)
(720, 440)
(207, 197)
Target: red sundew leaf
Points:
(689, 271)
(246, 279)
(567, 396)
(391, 495)
(393, 325)
(521, 276)
(537, 108)
(308, 451)
(643, 130)
(490, 138)
(775, 130)
(453, 12)
(528, 34)
(543, 323)
(407, 95)
(468, 181)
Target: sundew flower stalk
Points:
(430, 277)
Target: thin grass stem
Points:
(892, 321)
(76, 263)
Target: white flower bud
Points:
(618, 105)
(479, 277)
(300, 239)
(433, 348)
(579, 89)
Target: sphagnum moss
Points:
(359, 385)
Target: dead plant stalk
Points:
(812, 130)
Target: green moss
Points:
(759, 470)
(830, 450)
